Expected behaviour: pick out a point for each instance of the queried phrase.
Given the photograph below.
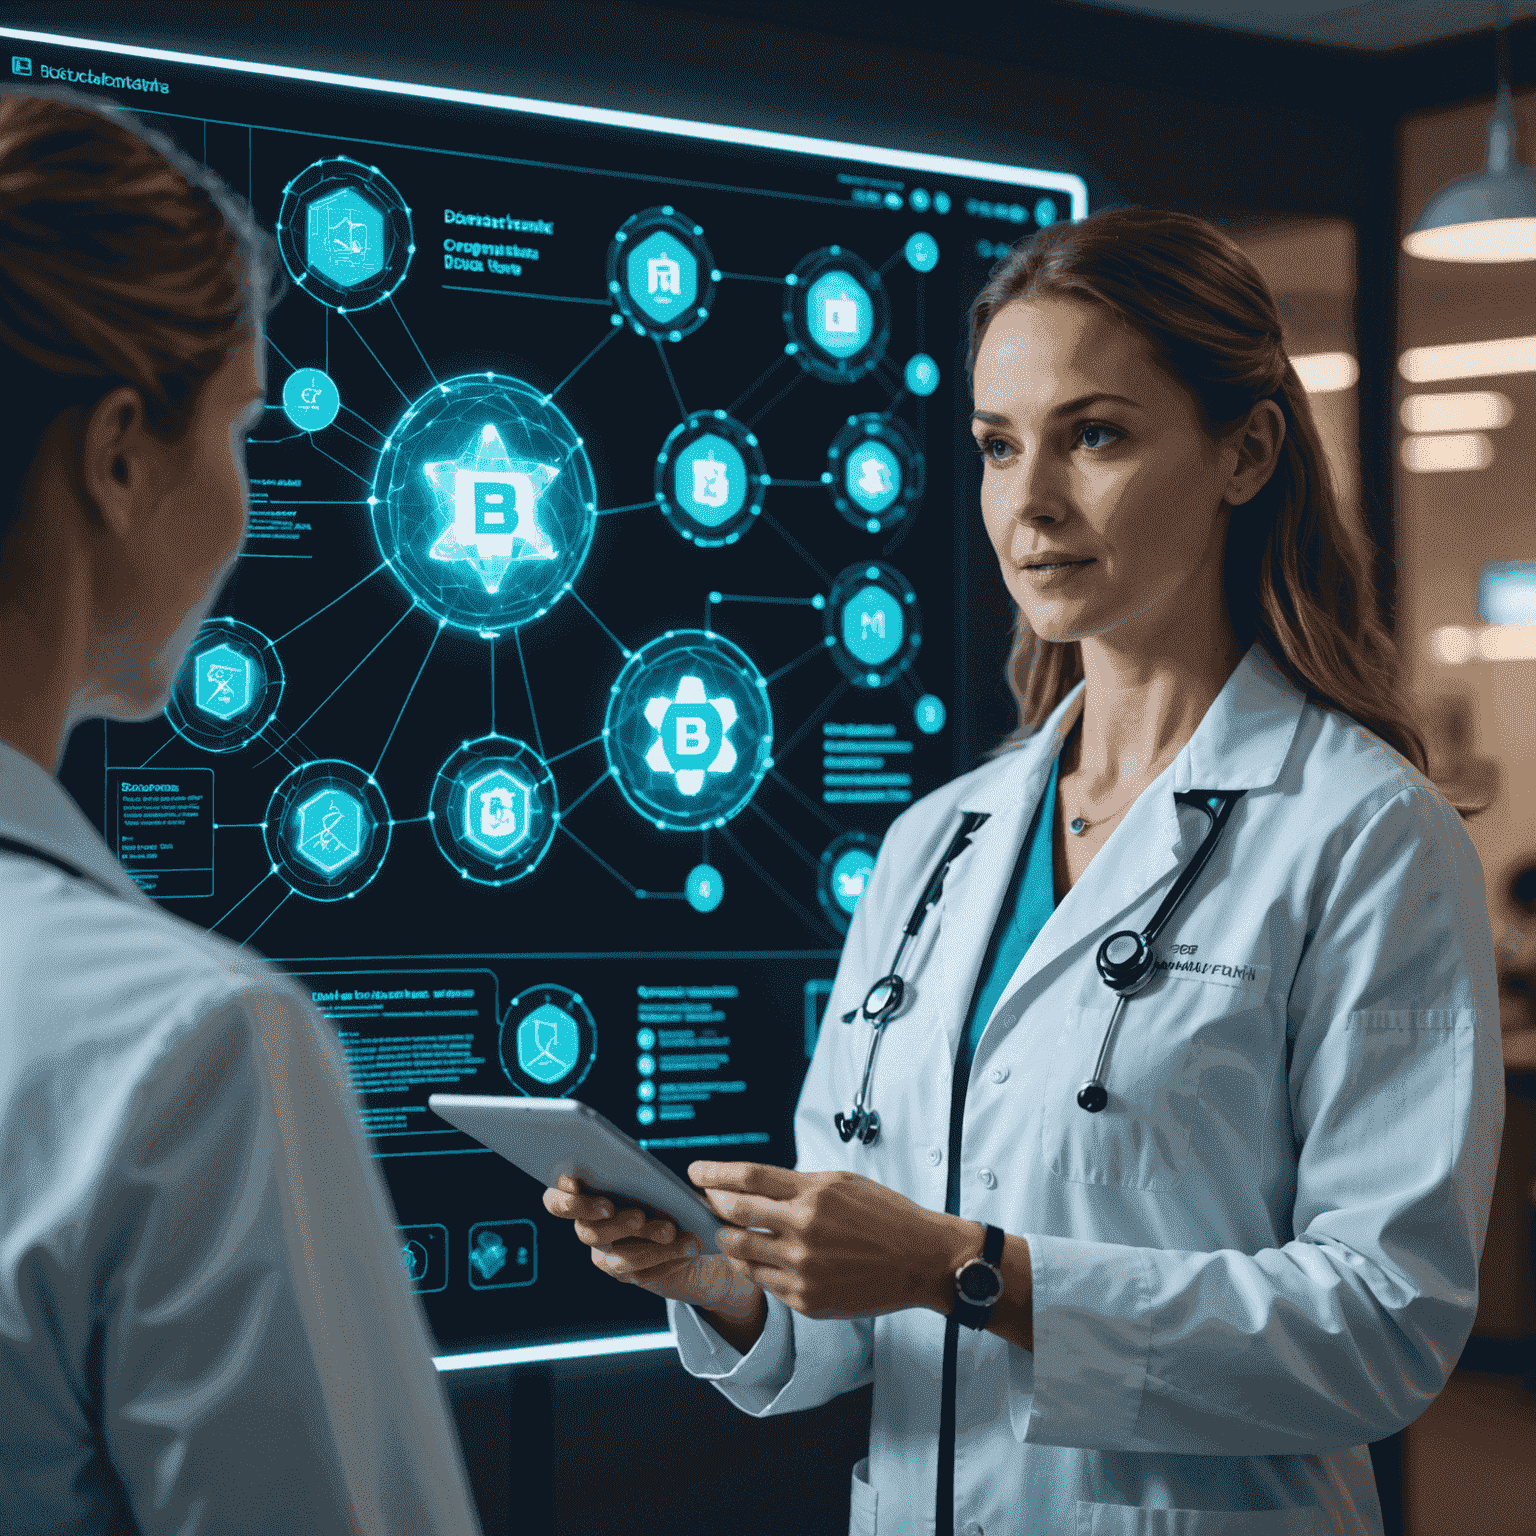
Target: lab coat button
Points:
(987, 1177)
(935, 1156)
(999, 1074)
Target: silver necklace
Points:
(1080, 824)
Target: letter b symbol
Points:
(692, 736)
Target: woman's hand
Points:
(837, 1244)
(652, 1254)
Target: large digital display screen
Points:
(597, 614)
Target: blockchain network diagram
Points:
(600, 607)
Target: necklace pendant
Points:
(1077, 826)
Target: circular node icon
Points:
(484, 503)
(941, 202)
(228, 689)
(921, 375)
(929, 714)
(872, 624)
(875, 471)
(547, 1041)
(345, 233)
(661, 274)
(689, 730)
(494, 810)
(838, 315)
(710, 479)
(921, 251)
(919, 200)
(327, 829)
(1045, 212)
(704, 888)
(841, 879)
(310, 399)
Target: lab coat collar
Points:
(1241, 743)
(37, 810)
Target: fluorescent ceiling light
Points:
(1453, 644)
(1475, 410)
(1447, 451)
(1506, 594)
(1468, 359)
(1322, 373)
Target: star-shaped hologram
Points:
(490, 502)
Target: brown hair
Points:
(1299, 577)
(122, 262)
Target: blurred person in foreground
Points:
(204, 1322)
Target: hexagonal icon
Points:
(662, 276)
(330, 828)
(345, 237)
(873, 629)
(839, 313)
(548, 1044)
(496, 818)
(223, 681)
(872, 475)
(710, 483)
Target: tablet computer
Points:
(548, 1137)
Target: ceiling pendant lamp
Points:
(1489, 216)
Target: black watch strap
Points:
(975, 1314)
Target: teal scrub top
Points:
(1028, 902)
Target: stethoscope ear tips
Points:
(1092, 1097)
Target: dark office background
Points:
(1242, 130)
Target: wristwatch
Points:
(980, 1282)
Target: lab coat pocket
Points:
(1140, 1139)
(864, 1503)
(1133, 1520)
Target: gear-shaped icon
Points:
(688, 729)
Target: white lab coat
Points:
(204, 1322)
(1262, 1255)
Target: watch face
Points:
(978, 1284)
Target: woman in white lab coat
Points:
(1237, 1224)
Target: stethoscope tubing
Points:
(1124, 975)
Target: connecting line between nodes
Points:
(375, 356)
(267, 919)
(813, 719)
(522, 293)
(634, 506)
(752, 277)
(677, 394)
(794, 383)
(624, 648)
(809, 859)
(591, 741)
(811, 485)
(353, 588)
(436, 634)
(337, 462)
(214, 927)
(350, 412)
(797, 546)
(533, 714)
(600, 779)
(756, 384)
(799, 661)
(608, 336)
(390, 300)
(354, 437)
(339, 686)
(799, 794)
(768, 880)
(493, 685)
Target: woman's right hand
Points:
(652, 1254)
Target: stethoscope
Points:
(1125, 959)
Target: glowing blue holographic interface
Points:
(608, 539)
